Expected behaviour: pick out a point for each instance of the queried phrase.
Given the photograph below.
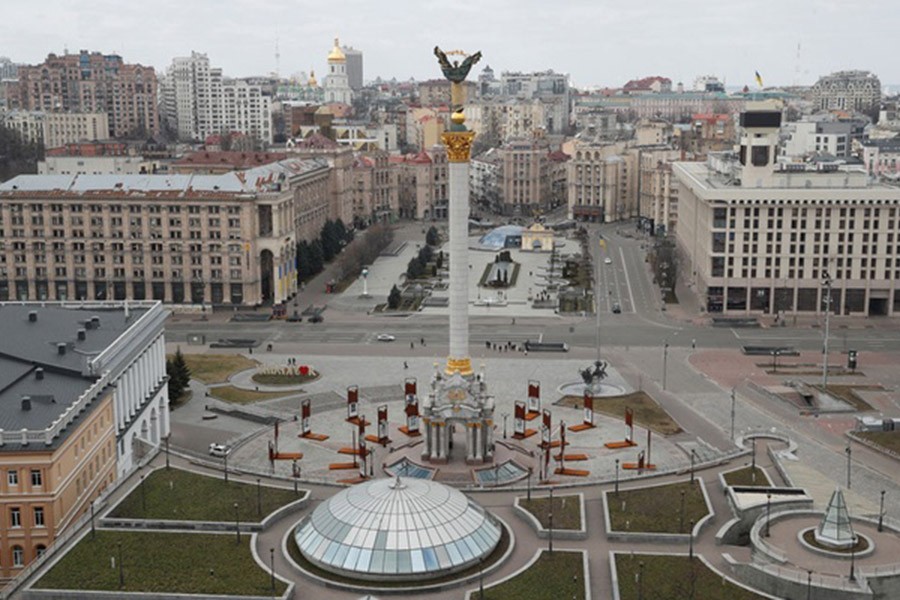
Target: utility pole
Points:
(665, 363)
(732, 415)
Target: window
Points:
(38, 516)
(40, 549)
(12, 477)
(36, 477)
(18, 556)
(15, 517)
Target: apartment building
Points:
(422, 184)
(199, 239)
(882, 158)
(198, 101)
(761, 237)
(601, 181)
(848, 90)
(55, 129)
(91, 83)
(375, 196)
(86, 398)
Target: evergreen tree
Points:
(415, 268)
(316, 257)
(394, 298)
(432, 238)
(331, 245)
(174, 385)
(181, 370)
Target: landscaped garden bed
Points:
(647, 412)
(673, 576)
(657, 509)
(178, 495)
(551, 577)
(161, 562)
(566, 511)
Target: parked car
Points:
(219, 450)
(316, 319)
(616, 308)
(607, 260)
(295, 319)
(385, 337)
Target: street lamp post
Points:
(167, 450)
(853, 559)
(768, 512)
(225, 466)
(827, 284)
(809, 584)
(640, 580)
(681, 519)
(881, 513)
(121, 568)
(665, 363)
(732, 414)
(272, 567)
(550, 522)
(693, 457)
(237, 523)
(617, 477)
(691, 541)
(529, 484)
(94, 532)
(143, 496)
(258, 499)
(849, 452)
(753, 465)
(505, 415)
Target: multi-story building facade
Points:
(55, 129)
(601, 182)
(200, 239)
(657, 192)
(436, 92)
(485, 175)
(761, 237)
(848, 90)
(882, 158)
(422, 184)
(525, 185)
(87, 399)
(8, 69)
(91, 83)
(374, 188)
(424, 126)
(805, 138)
(673, 106)
(354, 59)
(95, 165)
(551, 88)
(198, 102)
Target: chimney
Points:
(32, 316)
(39, 373)
(61, 348)
(26, 402)
(82, 334)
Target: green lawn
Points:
(744, 477)
(657, 509)
(215, 368)
(552, 577)
(171, 562)
(886, 439)
(185, 496)
(647, 413)
(670, 577)
(566, 511)
(229, 393)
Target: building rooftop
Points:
(263, 178)
(234, 160)
(44, 360)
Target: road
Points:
(626, 280)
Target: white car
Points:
(607, 260)
(219, 450)
(385, 337)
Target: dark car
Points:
(295, 319)
(616, 308)
(316, 319)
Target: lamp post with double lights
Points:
(827, 283)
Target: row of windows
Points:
(15, 517)
(18, 554)
(194, 209)
(37, 477)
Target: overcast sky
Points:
(598, 42)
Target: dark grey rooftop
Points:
(27, 347)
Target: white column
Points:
(459, 259)
(478, 439)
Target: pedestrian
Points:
(423, 341)
(405, 366)
(693, 344)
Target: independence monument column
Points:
(459, 145)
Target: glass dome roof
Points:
(496, 238)
(397, 529)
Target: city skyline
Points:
(574, 38)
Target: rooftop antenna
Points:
(277, 58)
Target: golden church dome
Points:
(311, 82)
(336, 54)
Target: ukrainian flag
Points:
(759, 80)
